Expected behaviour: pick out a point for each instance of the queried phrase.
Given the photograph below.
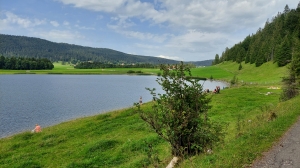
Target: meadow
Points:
(69, 69)
(250, 113)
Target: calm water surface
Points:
(50, 99)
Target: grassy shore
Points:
(122, 139)
(69, 69)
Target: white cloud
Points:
(147, 46)
(170, 57)
(84, 27)
(12, 19)
(197, 14)
(95, 5)
(61, 36)
(140, 35)
(66, 23)
(54, 23)
(196, 41)
(144, 36)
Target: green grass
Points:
(108, 140)
(69, 69)
(256, 135)
(121, 138)
(211, 71)
(267, 73)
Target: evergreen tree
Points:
(2, 62)
(247, 58)
(284, 52)
(292, 82)
(286, 9)
(217, 59)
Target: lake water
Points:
(51, 99)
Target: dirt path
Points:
(286, 153)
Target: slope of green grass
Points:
(108, 140)
(211, 71)
(268, 73)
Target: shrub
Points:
(240, 66)
(180, 115)
(234, 80)
(130, 71)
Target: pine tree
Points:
(286, 9)
(217, 59)
(292, 82)
(284, 54)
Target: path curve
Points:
(285, 153)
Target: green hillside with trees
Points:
(278, 41)
(30, 47)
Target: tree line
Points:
(278, 41)
(21, 63)
(101, 65)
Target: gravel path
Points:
(285, 154)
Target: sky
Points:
(184, 30)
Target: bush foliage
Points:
(179, 116)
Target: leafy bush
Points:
(234, 80)
(180, 115)
(240, 66)
(130, 71)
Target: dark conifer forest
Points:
(21, 63)
(277, 41)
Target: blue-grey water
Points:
(51, 99)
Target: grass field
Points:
(69, 69)
(121, 138)
(268, 73)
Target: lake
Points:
(26, 100)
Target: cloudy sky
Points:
(187, 30)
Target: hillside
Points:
(278, 41)
(20, 46)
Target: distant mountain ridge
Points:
(21, 46)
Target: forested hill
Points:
(278, 41)
(20, 46)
